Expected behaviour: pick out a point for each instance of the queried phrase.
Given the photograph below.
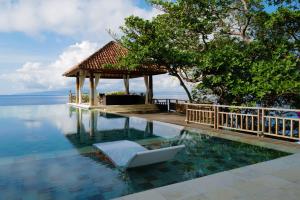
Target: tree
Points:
(232, 49)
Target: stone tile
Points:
(222, 179)
(177, 191)
(197, 197)
(261, 185)
(289, 174)
(148, 195)
(224, 193)
(271, 181)
(291, 192)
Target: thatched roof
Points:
(104, 62)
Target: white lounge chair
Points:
(128, 154)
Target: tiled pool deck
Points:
(275, 179)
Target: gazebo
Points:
(103, 65)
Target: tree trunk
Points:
(184, 86)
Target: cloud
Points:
(79, 18)
(38, 76)
(82, 20)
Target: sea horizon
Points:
(52, 99)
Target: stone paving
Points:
(275, 179)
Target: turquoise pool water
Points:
(46, 153)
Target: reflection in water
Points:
(95, 127)
(46, 153)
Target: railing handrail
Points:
(170, 99)
(246, 107)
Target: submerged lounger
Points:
(129, 154)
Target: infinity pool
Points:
(46, 153)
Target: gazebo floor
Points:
(137, 108)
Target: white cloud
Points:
(85, 20)
(37, 76)
(78, 18)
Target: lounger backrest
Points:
(154, 156)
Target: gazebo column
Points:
(81, 83)
(97, 80)
(77, 89)
(126, 83)
(149, 88)
(146, 79)
(92, 90)
(150, 85)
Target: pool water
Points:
(46, 152)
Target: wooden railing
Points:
(283, 123)
(177, 105)
(200, 114)
(84, 97)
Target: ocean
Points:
(17, 100)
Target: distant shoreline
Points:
(38, 95)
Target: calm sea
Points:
(15, 100)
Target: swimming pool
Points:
(46, 153)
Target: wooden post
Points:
(77, 89)
(263, 121)
(258, 121)
(150, 85)
(217, 116)
(92, 90)
(147, 89)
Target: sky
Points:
(39, 40)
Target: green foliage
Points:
(233, 50)
(116, 93)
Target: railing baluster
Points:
(246, 122)
(226, 119)
(263, 120)
(283, 126)
(291, 128)
(276, 126)
(222, 119)
(299, 129)
(252, 123)
(270, 125)
(242, 118)
(194, 116)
